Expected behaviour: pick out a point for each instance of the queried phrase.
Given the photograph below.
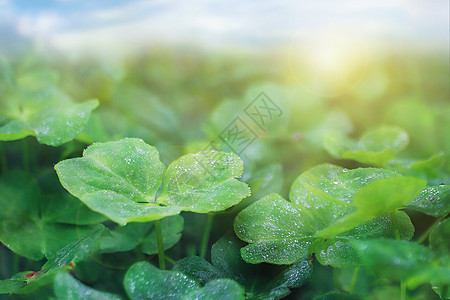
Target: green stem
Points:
(395, 225)
(15, 264)
(424, 235)
(402, 290)
(3, 160)
(206, 235)
(172, 261)
(25, 155)
(354, 278)
(159, 240)
(336, 279)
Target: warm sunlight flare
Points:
(328, 64)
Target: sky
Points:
(86, 25)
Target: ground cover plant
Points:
(112, 187)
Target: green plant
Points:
(363, 219)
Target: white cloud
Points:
(240, 22)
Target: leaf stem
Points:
(25, 155)
(159, 240)
(172, 261)
(336, 279)
(424, 235)
(15, 264)
(3, 160)
(206, 235)
(395, 225)
(354, 279)
(402, 290)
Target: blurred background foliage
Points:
(182, 100)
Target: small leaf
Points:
(68, 288)
(376, 199)
(440, 237)
(44, 112)
(375, 147)
(144, 281)
(125, 238)
(117, 179)
(338, 252)
(204, 182)
(62, 260)
(388, 194)
(403, 260)
(433, 201)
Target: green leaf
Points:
(375, 147)
(339, 252)
(62, 260)
(42, 111)
(64, 208)
(284, 232)
(204, 182)
(68, 288)
(32, 226)
(144, 281)
(117, 179)
(433, 201)
(260, 281)
(403, 260)
(440, 237)
(376, 199)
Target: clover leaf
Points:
(144, 281)
(33, 105)
(375, 147)
(120, 179)
(63, 260)
(283, 232)
(260, 281)
(35, 226)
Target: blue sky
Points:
(69, 24)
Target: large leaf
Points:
(433, 201)
(403, 260)
(260, 281)
(62, 260)
(68, 288)
(144, 281)
(34, 106)
(34, 225)
(118, 179)
(204, 182)
(284, 232)
(375, 147)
